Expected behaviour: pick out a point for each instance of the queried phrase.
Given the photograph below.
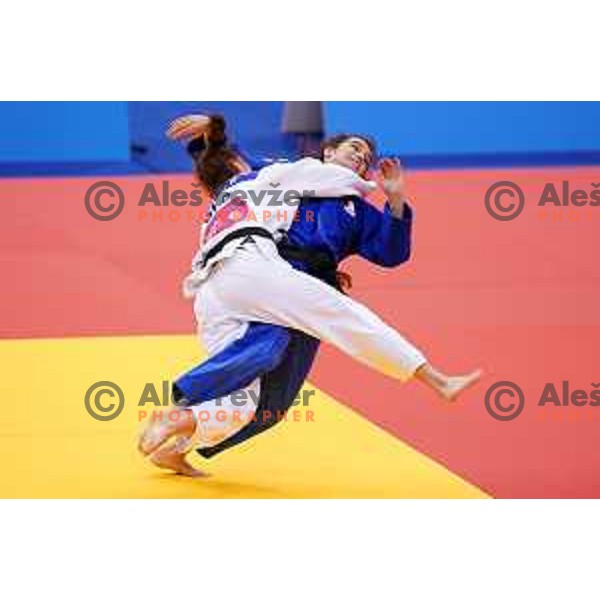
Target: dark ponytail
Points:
(215, 161)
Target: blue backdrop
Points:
(62, 138)
(63, 132)
(474, 132)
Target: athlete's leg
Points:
(278, 390)
(259, 350)
(256, 284)
(256, 349)
(215, 430)
(202, 425)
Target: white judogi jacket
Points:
(269, 201)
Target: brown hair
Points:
(216, 161)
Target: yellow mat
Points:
(50, 447)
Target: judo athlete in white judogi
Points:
(261, 316)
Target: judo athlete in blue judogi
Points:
(268, 360)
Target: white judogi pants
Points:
(256, 284)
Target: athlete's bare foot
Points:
(457, 384)
(157, 432)
(448, 387)
(167, 440)
(169, 457)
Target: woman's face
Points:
(353, 153)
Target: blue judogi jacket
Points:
(283, 357)
(352, 226)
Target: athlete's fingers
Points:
(182, 133)
(175, 128)
(395, 168)
(178, 123)
(180, 128)
(391, 167)
(385, 167)
(399, 166)
(187, 126)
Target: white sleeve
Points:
(310, 176)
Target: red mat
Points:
(518, 298)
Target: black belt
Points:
(319, 264)
(245, 232)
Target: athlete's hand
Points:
(393, 182)
(188, 127)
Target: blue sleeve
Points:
(383, 239)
